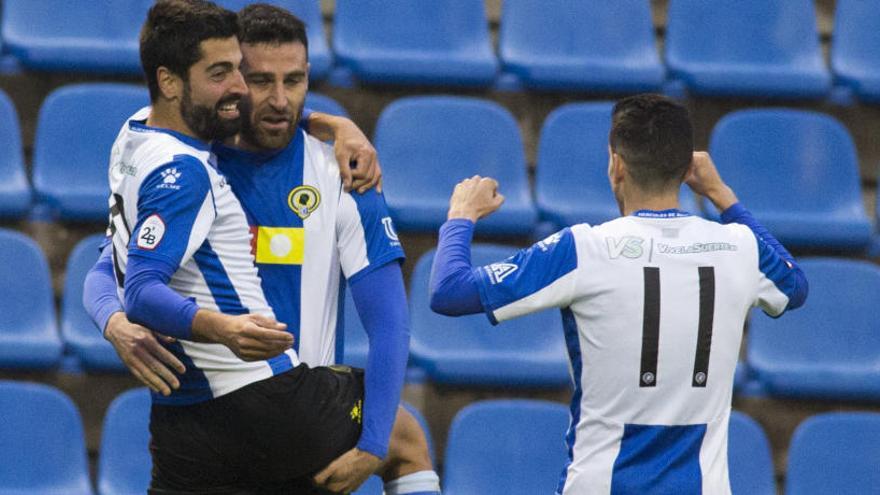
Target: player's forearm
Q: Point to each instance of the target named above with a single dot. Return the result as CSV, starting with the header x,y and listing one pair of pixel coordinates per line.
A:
x,y
100,297
151,303
322,125
386,322
453,288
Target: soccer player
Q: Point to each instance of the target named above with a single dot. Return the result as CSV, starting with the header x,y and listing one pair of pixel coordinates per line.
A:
x,y
247,417
653,306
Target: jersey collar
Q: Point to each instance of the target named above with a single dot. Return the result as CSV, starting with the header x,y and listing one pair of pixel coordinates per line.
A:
x,y
141,125
670,213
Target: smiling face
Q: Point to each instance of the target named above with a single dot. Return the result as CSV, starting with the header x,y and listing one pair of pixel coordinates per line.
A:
x,y
213,90
277,76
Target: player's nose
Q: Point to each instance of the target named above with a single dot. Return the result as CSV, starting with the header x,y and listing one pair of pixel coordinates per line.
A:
x,y
237,84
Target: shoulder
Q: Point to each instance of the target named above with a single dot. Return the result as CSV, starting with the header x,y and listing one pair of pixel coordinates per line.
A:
x,y
320,156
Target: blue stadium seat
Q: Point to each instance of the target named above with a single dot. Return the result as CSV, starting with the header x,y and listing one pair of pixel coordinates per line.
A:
x,y
855,60
324,104
28,332
42,447
798,172
829,348
125,463
430,143
76,127
467,350
750,48
571,178
442,42
15,192
514,447
749,458
60,35
835,453
588,45
309,11
78,330
355,346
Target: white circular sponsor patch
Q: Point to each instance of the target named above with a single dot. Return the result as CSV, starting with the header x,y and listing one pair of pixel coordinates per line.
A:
x,y
280,245
151,233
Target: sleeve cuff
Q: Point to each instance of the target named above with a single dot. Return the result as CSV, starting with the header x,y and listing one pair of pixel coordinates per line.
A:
x,y
374,448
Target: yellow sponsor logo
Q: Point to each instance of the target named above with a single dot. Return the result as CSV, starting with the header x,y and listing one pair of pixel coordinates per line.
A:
x,y
280,245
303,200
357,412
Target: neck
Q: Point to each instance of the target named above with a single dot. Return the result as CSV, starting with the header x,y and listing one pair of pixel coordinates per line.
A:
x,y
166,115
656,202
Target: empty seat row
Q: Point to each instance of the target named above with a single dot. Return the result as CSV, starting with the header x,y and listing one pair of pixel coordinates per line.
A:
x,y
713,47
797,170
826,350
488,450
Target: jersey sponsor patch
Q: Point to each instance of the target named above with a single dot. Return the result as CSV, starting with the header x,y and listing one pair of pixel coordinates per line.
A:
x,y
303,200
279,245
499,271
151,233
170,176
390,233
545,244
626,246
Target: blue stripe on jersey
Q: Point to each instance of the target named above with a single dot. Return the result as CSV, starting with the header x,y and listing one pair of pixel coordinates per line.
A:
x,y
280,364
218,281
194,385
339,354
528,271
774,267
573,343
659,459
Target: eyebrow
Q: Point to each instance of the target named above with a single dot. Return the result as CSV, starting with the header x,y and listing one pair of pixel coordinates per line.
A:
x,y
224,65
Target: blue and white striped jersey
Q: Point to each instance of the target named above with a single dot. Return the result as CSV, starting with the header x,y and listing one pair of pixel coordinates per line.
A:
x,y
308,234
170,204
653,311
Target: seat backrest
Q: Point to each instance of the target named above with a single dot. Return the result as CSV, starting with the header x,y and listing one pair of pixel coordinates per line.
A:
x,y
515,447
355,345
508,355
835,453
621,31
811,153
748,457
76,128
42,446
124,464
836,329
324,104
59,34
856,38
391,25
430,143
571,177
15,192
26,302
747,31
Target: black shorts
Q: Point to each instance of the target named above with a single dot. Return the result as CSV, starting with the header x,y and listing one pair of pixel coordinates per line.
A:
x,y
268,437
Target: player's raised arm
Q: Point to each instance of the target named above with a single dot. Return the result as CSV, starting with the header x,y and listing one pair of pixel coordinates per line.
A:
x,y
358,163
776,263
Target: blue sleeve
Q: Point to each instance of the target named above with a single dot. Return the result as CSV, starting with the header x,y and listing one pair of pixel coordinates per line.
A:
x,y
453,285
170,202
380,299
380,236
775,261
99,290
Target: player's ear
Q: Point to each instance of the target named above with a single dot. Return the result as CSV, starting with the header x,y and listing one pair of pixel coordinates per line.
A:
x,y
170,84
616,168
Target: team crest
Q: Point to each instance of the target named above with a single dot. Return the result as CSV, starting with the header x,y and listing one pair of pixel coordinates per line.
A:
x,y
303,200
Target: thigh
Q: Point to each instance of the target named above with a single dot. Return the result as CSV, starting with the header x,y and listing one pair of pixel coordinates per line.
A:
x,y
190,447
310,416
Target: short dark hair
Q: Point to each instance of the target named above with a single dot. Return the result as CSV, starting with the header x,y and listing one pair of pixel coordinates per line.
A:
x,y
173,31
264,23
654,136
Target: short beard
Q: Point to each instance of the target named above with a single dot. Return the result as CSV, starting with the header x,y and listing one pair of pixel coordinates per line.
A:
x,y
256,137
205,122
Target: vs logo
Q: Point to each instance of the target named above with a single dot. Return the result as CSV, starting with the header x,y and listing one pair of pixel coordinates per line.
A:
x,y
626,246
